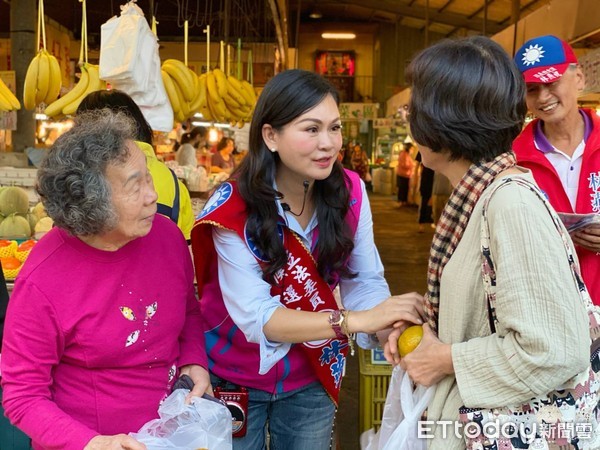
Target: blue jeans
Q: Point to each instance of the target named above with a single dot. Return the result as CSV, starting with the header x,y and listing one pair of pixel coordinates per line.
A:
x,y
297,420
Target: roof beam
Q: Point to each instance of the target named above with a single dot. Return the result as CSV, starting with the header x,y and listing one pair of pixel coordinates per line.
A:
x,y
419,12
506,21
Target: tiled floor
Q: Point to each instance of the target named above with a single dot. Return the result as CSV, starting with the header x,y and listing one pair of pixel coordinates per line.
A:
x,y
404,252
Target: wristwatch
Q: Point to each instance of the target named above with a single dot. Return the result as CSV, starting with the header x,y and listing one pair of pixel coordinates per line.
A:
x,y
336,318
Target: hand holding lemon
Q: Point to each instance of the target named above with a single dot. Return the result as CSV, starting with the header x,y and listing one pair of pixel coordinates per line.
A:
x,y
409,340
431,363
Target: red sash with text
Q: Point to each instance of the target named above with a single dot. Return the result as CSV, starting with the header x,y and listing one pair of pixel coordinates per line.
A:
x,y
300,286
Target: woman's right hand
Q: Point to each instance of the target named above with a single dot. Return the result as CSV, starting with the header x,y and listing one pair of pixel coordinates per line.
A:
x,y
399,311
116,442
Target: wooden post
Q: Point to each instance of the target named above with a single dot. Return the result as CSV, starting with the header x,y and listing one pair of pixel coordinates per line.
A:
x,y
22,50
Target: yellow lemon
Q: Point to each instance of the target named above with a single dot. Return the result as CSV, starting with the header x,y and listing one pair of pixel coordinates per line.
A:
x,y
409,339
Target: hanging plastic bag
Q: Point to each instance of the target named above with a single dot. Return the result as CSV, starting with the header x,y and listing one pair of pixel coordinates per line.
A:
x,y
129,61
401,414
204,424
123,39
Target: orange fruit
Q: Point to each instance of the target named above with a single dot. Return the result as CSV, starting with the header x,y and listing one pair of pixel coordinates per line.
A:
x,y
10,263
27,245
409,339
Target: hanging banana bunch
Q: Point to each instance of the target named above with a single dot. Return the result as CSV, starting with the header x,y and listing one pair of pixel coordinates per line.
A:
x,y
217,95
182,84
229,99
43,78
89,80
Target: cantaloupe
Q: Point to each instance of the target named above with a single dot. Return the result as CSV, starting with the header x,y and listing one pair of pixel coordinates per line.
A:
x,y
15,226
14,199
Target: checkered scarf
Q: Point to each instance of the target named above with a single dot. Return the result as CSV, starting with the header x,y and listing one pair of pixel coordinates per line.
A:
x,y
453,222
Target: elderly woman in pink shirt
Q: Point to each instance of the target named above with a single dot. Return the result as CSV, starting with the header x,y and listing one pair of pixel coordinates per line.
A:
x,y
97,330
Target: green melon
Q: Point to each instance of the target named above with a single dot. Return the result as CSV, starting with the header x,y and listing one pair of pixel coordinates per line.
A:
x,y
32,219
15,226
44,225
14,199
39,210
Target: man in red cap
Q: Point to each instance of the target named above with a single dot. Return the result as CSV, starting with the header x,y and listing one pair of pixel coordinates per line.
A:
x,y
562,146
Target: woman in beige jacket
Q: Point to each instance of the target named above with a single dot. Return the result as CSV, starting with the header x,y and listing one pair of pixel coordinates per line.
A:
x,y
467,106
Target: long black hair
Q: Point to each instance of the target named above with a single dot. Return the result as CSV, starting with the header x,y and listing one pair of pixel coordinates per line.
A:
x,y
285,97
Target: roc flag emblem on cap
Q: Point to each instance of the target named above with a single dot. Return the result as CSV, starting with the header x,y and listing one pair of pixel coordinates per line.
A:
x,y
544,59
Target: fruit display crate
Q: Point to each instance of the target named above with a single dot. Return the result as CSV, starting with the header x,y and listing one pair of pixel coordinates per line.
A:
x,y
373,386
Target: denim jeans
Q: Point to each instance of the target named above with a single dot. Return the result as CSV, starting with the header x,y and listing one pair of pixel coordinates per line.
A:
x,y
297,420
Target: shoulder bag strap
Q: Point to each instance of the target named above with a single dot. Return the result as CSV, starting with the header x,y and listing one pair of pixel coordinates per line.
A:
x,y
488,270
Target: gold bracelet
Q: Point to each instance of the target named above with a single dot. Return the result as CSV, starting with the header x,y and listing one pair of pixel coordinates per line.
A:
x,y
346,331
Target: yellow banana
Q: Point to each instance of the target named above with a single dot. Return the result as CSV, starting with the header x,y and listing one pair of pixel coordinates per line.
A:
x,y
4,103
204,108
219,110
94,84
200,94
237,84
55,108
249,89
8,95
171,93
43,77
212,113
234,88
180,74
238,113
211,87
240,124
206,113
181,66
55,80
183,104
230,101
30,85
221,82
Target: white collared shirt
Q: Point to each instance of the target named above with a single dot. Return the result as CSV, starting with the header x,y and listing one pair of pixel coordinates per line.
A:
x,y
568,169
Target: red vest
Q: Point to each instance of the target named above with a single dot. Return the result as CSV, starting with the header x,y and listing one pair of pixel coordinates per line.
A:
x,y
588,192
298,284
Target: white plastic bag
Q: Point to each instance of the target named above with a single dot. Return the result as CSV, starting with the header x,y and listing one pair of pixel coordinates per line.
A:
x,y
401,413
124,43
129,61
203,424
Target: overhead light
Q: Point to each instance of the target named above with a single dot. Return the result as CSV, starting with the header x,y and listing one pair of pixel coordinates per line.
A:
x,y
338,36
210,124
315,14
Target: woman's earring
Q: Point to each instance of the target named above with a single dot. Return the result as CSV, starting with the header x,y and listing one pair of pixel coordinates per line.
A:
x,y
273,150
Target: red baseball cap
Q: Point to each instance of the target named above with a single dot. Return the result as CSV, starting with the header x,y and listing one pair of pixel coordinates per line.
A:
x,y
544,59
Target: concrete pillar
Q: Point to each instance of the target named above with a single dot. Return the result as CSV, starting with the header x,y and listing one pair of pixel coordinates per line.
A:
x,y
23,26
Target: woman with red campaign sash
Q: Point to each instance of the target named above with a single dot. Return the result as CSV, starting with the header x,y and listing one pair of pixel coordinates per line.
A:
x,y
270,246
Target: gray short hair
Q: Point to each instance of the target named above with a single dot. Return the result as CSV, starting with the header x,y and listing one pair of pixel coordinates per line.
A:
x,y
72,178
